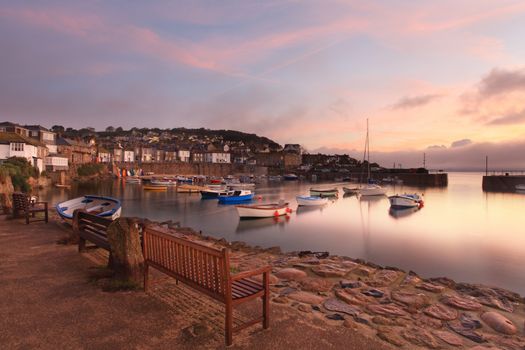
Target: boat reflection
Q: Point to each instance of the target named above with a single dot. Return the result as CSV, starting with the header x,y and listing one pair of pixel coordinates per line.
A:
x,y
400,213
247,225
301,210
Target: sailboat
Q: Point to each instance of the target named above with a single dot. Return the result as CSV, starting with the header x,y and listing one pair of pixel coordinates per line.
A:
x,y
370,189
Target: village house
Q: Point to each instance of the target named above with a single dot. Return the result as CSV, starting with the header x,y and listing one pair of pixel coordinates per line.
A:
x,y
128,156
183,155
292,148
14,128
76,152
217,157
15,145
104,156
118,154
43,135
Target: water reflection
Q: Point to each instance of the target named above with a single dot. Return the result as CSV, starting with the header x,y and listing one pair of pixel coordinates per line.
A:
x,y
462,232
402,212
248,225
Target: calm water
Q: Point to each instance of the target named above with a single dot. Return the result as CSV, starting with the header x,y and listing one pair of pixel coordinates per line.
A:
x,y
462,232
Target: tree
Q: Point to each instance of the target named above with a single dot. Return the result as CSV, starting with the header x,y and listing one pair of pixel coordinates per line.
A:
x,y
58,129
110,129
119,129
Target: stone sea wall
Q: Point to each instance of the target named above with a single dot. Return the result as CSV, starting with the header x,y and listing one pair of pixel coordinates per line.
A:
x,y
502,183
208,169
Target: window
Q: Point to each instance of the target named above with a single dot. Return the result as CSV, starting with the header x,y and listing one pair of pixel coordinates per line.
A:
x,y
17,147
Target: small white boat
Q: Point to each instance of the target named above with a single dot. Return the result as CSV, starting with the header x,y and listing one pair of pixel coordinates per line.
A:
x,y
214,193
406,201
262,210
106,207
241,186
372,190
163,183
324,192
132,180
310,201
520,187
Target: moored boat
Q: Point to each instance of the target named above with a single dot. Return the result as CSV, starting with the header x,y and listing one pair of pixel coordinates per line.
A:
x,y
163,182
106,207
350,190
406,201
132,180
262,210
310,201
290,177
520,187
236,197
155,188
372,190
190,189
324,192
211,193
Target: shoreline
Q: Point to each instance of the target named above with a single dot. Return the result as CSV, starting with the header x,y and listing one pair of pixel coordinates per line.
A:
x,y
387,303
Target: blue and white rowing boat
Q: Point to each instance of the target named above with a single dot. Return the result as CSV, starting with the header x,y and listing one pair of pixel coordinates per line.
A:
x,y
105,207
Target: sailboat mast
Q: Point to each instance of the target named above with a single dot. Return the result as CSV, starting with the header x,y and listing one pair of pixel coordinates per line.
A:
x,y
368,150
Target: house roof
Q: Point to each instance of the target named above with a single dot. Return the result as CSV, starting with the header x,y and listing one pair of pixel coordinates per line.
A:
x,y
68,142
36,127
11,137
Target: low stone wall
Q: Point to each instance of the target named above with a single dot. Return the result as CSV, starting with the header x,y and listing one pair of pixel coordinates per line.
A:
x,y
208,169
502,183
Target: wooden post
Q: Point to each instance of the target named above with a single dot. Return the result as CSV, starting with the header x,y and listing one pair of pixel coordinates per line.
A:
x,y
266,300
73,235
228,327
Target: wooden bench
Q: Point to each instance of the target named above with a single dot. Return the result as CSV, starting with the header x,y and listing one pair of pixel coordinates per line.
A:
x,y
206,270
91,228
22,204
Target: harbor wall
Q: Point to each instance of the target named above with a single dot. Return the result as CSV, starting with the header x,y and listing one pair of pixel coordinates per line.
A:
x,y
502,183
419,180
208,169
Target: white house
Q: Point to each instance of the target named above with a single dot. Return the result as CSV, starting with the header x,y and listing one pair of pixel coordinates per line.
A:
x,y
183,155
54,163
15,145
217,157
129,156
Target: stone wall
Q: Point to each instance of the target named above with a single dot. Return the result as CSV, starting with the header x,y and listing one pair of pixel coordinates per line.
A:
x,y
502,183
208,169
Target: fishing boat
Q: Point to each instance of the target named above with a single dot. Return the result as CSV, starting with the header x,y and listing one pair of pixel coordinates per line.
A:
x,y
520,187
371,189
132,180
406,200
290,177
238,196
212,193
311,201
106,207
324,192
262,210
155,188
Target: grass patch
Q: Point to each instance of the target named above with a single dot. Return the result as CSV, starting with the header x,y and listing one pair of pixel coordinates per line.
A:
x,y
90,169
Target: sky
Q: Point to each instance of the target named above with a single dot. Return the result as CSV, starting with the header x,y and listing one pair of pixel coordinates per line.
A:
x,y
445,78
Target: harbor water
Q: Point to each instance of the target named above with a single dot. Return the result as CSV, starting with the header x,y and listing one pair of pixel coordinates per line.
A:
x,y
461,232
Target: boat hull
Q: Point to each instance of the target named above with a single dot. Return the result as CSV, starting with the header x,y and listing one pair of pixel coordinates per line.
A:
x,y
235,199
402,202
213,194
372,191
104,207
309,201
155,188
324,193
261,211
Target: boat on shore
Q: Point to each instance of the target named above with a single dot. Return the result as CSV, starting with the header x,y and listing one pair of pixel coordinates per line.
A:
x,y
104,207
324,192
238,196
262,210
311,201
406,201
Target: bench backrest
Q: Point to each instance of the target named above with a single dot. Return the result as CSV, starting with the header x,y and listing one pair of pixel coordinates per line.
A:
x,y
204,268
21,201
94,228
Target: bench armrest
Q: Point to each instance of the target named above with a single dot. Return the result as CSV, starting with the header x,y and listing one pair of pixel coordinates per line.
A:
x,y
246,274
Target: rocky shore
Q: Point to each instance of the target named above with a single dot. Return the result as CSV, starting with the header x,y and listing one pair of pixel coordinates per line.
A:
x,y
400,308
